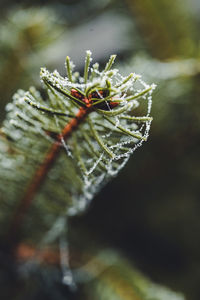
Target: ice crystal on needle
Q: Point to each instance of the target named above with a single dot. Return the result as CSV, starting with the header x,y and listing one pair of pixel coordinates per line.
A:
x,y
95,122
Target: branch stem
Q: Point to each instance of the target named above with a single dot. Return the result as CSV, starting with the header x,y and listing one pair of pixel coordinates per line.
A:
x,y
42,171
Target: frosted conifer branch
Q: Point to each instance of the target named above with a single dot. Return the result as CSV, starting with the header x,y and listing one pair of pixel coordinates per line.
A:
x,y
91,121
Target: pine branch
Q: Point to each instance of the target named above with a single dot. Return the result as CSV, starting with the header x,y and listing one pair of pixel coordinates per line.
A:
x,y
56,153
25,35
107,275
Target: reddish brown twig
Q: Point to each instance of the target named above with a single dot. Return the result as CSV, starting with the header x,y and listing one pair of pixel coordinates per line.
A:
x,y
41,173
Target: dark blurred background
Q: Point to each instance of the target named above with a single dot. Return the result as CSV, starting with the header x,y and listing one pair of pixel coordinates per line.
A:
x,y
151,211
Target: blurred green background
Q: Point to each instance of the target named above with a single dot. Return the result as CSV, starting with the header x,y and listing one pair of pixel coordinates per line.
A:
x,y
151,212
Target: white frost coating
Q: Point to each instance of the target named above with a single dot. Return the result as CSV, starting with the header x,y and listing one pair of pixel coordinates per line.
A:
x,y
117,146
64,262
94,165
66,147
88,52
